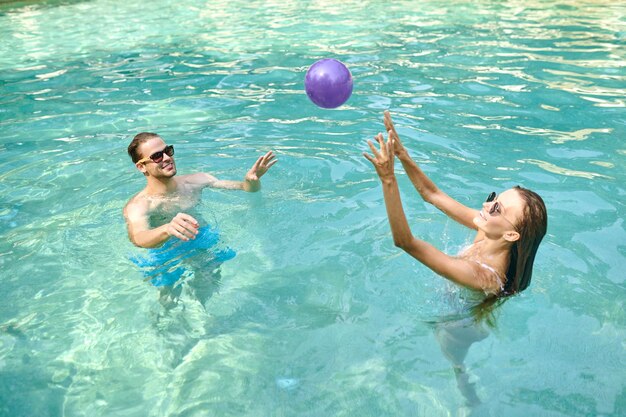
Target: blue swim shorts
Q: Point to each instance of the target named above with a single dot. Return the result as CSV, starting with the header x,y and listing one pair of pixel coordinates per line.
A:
x,y
163,266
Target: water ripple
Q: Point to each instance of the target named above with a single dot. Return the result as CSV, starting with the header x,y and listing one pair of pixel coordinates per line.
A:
x,y
318,307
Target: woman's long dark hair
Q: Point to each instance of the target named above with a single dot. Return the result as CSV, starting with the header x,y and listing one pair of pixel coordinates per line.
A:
x,y
532,228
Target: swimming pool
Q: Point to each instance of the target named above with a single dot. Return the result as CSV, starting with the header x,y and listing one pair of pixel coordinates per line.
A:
x,y
318,314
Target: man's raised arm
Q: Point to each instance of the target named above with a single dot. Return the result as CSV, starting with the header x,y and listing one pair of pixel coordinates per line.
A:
x,y
250,183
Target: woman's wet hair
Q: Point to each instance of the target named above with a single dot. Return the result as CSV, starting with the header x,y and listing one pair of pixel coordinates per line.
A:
x,y
532,228
138,140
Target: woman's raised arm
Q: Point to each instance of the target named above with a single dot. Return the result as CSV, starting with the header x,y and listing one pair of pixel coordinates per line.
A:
x,y
425,187
455,269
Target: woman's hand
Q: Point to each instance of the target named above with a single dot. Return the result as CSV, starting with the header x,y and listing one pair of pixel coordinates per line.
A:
x,y
399,149
383,159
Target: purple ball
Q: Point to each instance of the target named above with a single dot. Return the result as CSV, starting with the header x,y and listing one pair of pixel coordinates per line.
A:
x,y
328,83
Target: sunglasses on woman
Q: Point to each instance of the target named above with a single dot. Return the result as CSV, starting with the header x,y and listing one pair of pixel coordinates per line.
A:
x,y
158,156
495,207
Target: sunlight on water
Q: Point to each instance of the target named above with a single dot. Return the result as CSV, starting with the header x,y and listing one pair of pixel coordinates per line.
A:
x,y
318,313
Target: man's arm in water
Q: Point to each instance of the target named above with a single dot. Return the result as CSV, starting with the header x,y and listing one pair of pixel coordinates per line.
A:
x,y
182,226
250,183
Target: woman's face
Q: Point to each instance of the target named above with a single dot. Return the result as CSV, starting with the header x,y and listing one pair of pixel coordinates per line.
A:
x,y
501,215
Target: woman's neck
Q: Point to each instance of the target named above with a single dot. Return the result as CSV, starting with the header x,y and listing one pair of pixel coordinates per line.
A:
x,y
494,253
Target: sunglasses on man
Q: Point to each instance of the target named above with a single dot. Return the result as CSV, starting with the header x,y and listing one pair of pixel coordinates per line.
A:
x,y
158,156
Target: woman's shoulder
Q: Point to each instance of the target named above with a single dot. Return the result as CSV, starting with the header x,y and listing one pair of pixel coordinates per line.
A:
x,y
488,277
468,249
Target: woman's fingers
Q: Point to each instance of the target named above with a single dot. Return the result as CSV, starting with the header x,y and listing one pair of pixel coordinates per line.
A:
x,y
381,155
383,146
374,150
390,126
369,158
390,144
388,122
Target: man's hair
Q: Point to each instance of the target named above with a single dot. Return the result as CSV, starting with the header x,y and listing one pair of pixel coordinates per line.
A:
x,y
138,140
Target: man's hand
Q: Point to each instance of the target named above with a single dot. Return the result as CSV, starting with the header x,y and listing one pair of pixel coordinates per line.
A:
x,y
261,166
183,226
252,181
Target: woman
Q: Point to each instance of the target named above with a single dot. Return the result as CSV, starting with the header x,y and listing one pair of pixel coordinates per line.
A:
x,y
499,262
510,226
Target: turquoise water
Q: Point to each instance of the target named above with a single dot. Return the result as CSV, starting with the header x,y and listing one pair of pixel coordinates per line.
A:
x,y
318,314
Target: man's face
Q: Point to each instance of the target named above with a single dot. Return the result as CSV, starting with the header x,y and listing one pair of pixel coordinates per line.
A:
x,y
164,168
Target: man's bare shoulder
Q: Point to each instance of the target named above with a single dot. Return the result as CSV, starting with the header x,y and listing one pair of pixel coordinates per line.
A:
x,y
199,179
137,205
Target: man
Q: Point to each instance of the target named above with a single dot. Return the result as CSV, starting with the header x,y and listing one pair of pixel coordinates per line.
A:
x,y
158,212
